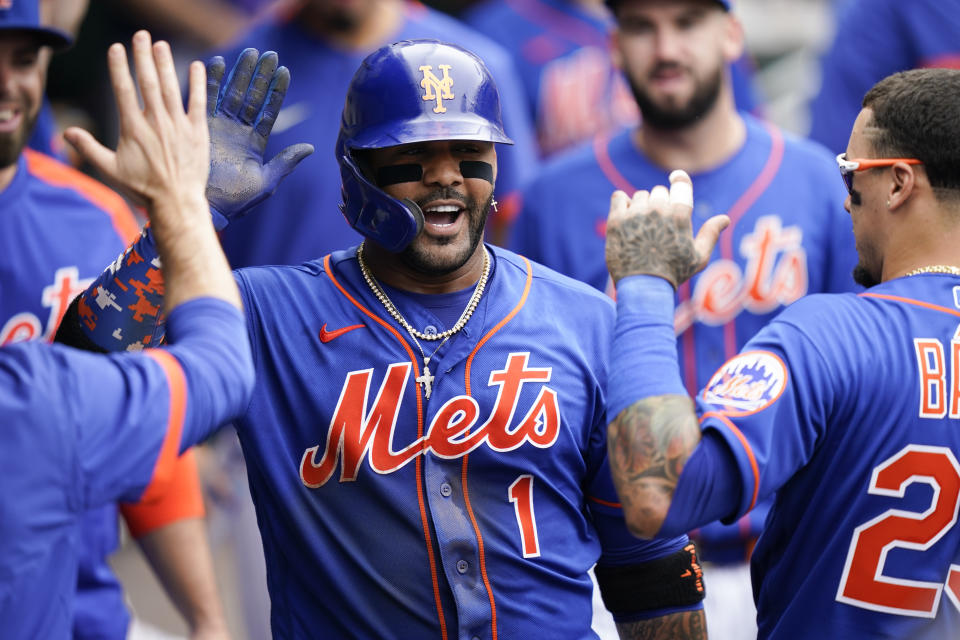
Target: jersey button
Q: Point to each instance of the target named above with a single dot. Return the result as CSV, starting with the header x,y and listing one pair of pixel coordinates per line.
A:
x,y
446,489
462,566
430,330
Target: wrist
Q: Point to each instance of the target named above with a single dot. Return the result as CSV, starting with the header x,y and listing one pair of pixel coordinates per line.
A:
x,y
643,357
650,295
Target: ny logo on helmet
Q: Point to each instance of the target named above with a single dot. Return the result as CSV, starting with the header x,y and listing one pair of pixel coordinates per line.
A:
x,y
432,83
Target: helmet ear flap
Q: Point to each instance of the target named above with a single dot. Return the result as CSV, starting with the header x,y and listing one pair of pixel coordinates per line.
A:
x,y
391,223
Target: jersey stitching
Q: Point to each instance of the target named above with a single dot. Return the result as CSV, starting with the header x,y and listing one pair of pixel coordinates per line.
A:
x,y
425,524
463,474
910,301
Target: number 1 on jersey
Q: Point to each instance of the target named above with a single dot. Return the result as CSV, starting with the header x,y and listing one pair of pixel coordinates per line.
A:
x,y
521,495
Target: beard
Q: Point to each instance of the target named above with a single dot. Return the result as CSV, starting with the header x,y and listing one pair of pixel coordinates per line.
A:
x,y
421,258
671,117
863,276
12,144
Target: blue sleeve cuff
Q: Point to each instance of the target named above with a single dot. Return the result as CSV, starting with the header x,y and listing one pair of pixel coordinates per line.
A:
x,y
643,360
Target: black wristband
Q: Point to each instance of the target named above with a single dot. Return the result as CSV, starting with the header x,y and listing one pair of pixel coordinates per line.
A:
x,y
672,581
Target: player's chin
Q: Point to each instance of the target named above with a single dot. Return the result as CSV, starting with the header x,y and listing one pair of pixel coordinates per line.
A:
x,y
441,255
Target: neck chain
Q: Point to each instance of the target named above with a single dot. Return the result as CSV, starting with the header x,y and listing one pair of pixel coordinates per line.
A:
x,y
935,268
425,380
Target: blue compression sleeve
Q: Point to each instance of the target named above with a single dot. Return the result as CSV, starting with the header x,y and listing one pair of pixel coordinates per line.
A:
x,y
707,489
208,336
643,360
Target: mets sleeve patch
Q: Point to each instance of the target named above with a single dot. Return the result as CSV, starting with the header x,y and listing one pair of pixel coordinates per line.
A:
x,y
747,383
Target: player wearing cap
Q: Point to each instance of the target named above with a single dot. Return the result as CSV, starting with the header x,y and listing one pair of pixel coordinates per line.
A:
x,y
426,444
57,229
80,429
846,406
789,235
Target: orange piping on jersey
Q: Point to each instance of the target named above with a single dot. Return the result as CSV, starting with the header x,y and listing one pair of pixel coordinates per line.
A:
x,y
170,449
746,446
740,207
616,178
463,474
180,499
53,172
916,303
606,503
424,522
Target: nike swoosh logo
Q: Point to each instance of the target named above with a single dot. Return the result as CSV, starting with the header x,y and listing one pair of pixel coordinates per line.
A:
x,y
291,116
327,336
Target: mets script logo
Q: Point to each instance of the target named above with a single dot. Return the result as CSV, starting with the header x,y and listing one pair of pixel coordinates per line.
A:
x,y
748,382
358,430
437,88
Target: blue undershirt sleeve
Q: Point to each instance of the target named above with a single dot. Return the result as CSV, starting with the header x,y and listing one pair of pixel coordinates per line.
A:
x,y
208,336
708,488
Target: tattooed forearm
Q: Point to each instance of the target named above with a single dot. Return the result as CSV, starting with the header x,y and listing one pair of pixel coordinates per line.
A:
x,y
690,625
649,442
654,245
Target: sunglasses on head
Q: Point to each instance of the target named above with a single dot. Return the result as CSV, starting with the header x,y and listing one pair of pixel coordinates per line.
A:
x,y
850,167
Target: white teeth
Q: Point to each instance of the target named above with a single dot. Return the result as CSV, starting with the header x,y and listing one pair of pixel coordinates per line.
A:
x,y
6,114
443,208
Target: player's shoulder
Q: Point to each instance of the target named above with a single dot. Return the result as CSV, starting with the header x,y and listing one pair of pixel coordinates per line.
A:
x,y
59,185
579,160
796,149
59,176
833,321
279,282
552,285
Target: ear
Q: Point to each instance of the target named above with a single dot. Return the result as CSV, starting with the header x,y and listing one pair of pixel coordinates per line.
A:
x,y
733,39
613,43
903,183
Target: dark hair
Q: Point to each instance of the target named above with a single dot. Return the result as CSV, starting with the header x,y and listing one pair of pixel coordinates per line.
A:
x,y
916,114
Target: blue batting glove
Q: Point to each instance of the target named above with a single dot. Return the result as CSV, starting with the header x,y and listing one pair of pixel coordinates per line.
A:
x,y
240,116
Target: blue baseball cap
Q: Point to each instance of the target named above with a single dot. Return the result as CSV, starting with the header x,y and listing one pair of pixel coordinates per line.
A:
x,y
24,16
726,4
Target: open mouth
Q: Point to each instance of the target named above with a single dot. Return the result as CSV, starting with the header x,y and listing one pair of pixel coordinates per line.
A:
x,y
442,216
9,119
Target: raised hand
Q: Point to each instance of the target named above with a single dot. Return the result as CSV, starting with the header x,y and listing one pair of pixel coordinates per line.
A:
x,y
161,154
240,115
652,234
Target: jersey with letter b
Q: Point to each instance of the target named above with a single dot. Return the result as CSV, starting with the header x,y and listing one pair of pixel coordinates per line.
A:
x,y
848,407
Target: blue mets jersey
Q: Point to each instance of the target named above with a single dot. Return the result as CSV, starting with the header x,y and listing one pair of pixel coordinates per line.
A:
x,y
848,407
561,49
80,430
301,221
474,514
58,228
876,38
789,235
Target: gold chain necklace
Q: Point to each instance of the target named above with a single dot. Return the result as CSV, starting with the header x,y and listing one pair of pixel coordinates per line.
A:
x,y
935,268
425,380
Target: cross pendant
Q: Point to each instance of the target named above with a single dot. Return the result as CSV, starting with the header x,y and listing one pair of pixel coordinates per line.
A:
x,y
426,379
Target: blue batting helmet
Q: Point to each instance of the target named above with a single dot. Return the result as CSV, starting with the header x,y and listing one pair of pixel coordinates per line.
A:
x,y
410,91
